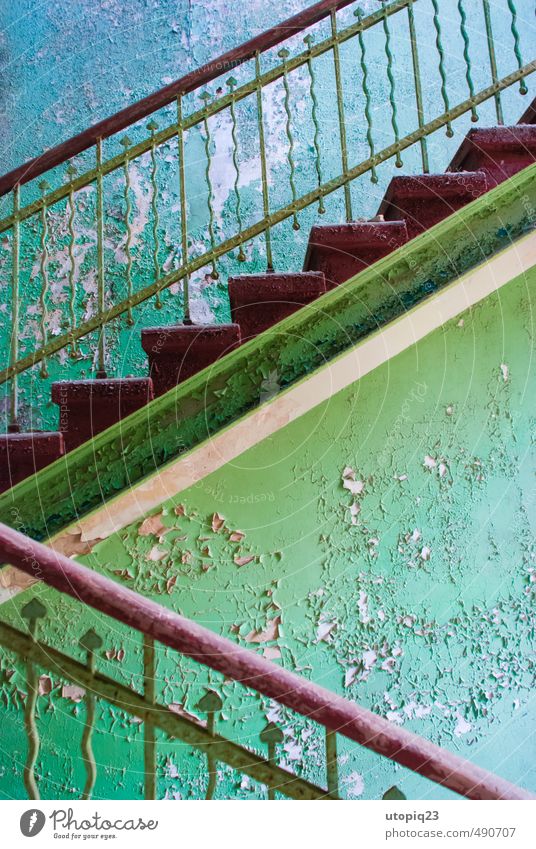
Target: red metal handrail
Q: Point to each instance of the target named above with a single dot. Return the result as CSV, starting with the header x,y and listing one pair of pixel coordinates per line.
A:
x,y
145,107
334,712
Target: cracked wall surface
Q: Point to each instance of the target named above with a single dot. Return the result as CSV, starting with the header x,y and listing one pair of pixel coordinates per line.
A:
x,y
382,545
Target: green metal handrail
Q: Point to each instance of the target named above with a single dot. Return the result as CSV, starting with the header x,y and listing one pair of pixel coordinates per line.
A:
x,y
39,212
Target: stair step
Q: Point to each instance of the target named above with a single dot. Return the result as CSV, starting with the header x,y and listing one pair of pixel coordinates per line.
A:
x,y
260,300
340,251
23,454
499,151
176,353
424,200
89,406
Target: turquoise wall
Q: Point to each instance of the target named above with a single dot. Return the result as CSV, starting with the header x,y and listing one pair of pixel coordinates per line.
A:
x,y
67,65
417,603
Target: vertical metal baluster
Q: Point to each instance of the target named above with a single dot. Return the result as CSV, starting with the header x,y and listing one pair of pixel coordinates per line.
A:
x,y
211,704
492,60
186,319
231,82
264,167
149,733
14,426
152,126
308,40
205,97
364,77
340,108
392,86
511,5
101,353
332,769
418,87
90,642
467,57
271,735
128,242
43,185
442,73
71,173
283,54
32,611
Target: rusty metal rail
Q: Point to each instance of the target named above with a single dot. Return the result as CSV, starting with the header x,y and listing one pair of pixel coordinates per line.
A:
x,y
337,714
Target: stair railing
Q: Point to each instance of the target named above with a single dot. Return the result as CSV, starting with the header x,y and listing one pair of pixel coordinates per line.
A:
x,y
81,217
157,624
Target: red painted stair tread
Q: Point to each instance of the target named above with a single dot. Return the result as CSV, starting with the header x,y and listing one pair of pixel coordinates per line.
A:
x,y
177,353
23,454
260,300
340,251
424,200
88,407
499,151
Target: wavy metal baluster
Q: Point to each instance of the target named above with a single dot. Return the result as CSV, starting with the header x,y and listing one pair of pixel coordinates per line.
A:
x,y
90,642
71,173
149,734
43,185
392,86
152,126
492,60
308,40
186,319
283,54
363,62
32,611
332,768
271,735
205,97
340,110
126,142
231,82
101,350
14,426
264,167
517,50
211,704
467,57
418,87
442,73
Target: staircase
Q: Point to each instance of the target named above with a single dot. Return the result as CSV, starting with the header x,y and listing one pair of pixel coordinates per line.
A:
x,y
335,252
412,204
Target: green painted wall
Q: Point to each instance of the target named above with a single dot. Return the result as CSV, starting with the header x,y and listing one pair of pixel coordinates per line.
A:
x,y
418,603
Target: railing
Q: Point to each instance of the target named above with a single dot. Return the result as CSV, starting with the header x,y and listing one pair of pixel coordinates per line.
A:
x,y
336,715
76,258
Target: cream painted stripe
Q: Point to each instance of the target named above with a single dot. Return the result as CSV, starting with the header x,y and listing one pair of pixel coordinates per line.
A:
x,y
312,390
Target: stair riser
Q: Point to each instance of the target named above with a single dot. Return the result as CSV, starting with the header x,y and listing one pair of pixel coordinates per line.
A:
x,y
498,166
260,300
175,354
88,407
422,213
22,455
339,266
86,420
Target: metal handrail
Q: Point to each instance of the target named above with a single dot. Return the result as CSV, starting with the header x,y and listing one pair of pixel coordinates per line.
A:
x,y
37,166
337,714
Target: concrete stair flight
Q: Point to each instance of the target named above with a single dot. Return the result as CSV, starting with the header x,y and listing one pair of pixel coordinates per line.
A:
x,y
412,204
